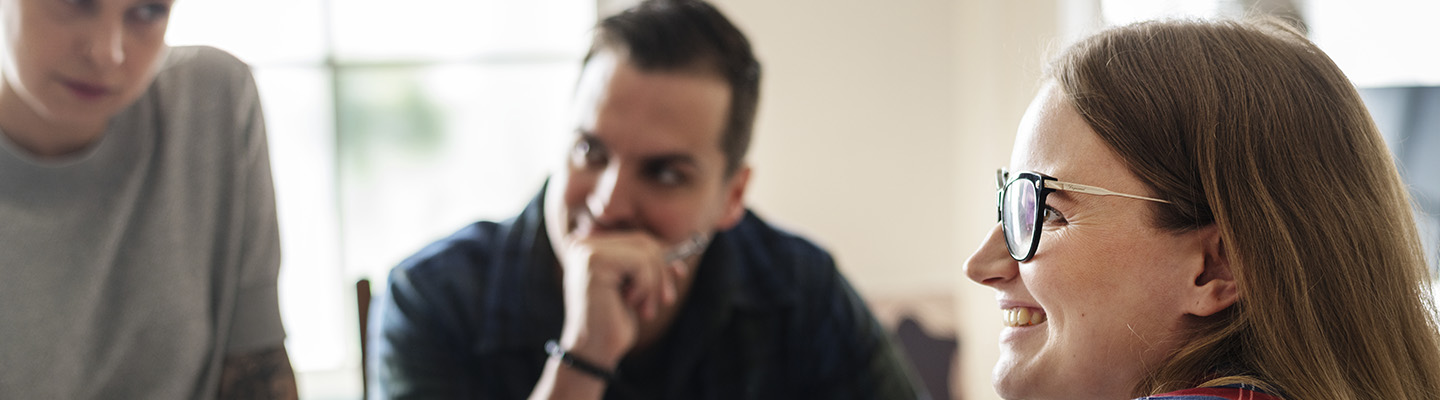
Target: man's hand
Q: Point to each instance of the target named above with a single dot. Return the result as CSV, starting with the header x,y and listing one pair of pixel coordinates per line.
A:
x,y
614,283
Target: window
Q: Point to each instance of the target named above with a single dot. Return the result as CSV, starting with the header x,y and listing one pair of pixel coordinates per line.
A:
x,y
1409,116
1381,45
391,124
1120,12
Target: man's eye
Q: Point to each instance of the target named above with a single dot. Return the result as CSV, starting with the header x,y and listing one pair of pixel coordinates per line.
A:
x,y
668,176
587,154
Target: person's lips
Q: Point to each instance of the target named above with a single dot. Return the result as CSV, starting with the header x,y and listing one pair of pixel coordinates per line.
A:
x,y
1023,316
87,90
1021,319
1019,314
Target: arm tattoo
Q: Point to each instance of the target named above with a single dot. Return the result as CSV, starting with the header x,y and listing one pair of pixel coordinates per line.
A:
x,y
263,374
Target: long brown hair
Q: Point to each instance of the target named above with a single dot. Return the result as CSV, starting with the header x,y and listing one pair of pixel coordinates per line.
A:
x,y
1249,126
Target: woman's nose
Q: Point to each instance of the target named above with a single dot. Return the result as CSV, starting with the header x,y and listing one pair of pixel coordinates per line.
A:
x,y
105,45
991,264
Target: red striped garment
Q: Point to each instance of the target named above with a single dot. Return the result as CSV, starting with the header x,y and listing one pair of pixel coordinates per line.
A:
x,y
1227,392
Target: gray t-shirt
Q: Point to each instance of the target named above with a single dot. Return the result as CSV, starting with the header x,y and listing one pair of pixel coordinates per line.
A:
x,y
130,270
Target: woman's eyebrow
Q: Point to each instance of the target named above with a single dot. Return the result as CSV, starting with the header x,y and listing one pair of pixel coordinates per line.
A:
x,y
1063,197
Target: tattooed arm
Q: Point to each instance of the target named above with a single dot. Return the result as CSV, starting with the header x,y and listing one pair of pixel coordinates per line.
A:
x,y
263,374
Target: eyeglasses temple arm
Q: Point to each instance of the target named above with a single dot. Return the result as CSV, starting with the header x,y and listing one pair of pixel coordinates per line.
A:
x,y
1087,189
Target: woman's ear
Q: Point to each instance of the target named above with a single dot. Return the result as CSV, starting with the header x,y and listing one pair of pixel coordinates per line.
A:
x,y
1215,288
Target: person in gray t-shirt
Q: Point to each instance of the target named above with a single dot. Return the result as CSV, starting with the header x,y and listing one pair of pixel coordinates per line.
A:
x,y
138,240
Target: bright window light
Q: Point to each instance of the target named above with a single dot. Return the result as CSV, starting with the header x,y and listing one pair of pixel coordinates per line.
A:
x,y
391,124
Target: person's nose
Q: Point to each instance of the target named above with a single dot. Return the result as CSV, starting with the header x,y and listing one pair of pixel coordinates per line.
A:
x,y
105,44
612,202
991,264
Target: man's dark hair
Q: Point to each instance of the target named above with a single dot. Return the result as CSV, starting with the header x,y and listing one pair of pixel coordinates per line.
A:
x,y
673,35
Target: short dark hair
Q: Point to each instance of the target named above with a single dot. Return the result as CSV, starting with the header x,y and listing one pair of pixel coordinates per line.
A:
x,y
670,35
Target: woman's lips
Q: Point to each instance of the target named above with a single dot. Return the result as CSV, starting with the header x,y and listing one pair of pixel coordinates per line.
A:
x,y
1017,317
87,91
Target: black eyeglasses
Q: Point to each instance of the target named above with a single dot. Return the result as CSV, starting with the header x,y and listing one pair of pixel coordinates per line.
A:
x,y
1021,203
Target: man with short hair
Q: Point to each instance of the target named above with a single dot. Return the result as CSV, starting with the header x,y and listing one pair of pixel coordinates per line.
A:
x,y
637,272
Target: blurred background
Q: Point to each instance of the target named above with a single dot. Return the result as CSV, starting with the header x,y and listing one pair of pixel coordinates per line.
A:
x,y
393,124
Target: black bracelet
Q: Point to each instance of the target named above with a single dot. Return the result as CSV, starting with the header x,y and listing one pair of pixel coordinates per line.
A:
x,y
553,349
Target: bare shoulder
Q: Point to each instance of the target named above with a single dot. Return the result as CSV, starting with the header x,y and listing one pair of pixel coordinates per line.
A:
x,y
263,374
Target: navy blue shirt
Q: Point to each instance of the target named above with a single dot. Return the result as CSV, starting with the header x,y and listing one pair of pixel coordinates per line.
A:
x,y
768,317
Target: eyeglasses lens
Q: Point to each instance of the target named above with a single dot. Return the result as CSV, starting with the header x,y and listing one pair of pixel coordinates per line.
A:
x,y
1017,214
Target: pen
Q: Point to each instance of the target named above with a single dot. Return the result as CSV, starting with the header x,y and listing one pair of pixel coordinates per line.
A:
x,y
692,246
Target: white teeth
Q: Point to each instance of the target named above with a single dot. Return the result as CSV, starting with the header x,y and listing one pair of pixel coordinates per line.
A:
x,y
1022,316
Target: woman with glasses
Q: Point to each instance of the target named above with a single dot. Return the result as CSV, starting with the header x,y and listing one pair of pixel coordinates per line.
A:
x,y
1203,210
138,239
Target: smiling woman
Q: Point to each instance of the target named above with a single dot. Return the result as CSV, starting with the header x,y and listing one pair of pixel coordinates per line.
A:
x,y
1279,260
140,239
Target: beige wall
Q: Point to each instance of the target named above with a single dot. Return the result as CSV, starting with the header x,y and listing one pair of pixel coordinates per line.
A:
x,y
1007,42
881,123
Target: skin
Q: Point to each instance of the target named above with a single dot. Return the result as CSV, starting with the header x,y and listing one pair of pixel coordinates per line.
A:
x,y
1117,292
263,374
645,173
72,65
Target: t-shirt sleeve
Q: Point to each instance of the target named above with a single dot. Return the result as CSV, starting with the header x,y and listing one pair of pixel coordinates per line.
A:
x,y
256,323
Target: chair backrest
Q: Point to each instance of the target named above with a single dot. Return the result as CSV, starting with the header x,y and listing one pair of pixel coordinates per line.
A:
x,y
362,301
924,325
932,356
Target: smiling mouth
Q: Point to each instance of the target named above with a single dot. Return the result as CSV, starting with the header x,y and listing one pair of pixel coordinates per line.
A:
x,y
1023,316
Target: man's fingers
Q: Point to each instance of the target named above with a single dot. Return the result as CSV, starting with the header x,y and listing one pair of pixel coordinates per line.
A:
x,y
678,270
633,264
634,294
652,309
668,294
